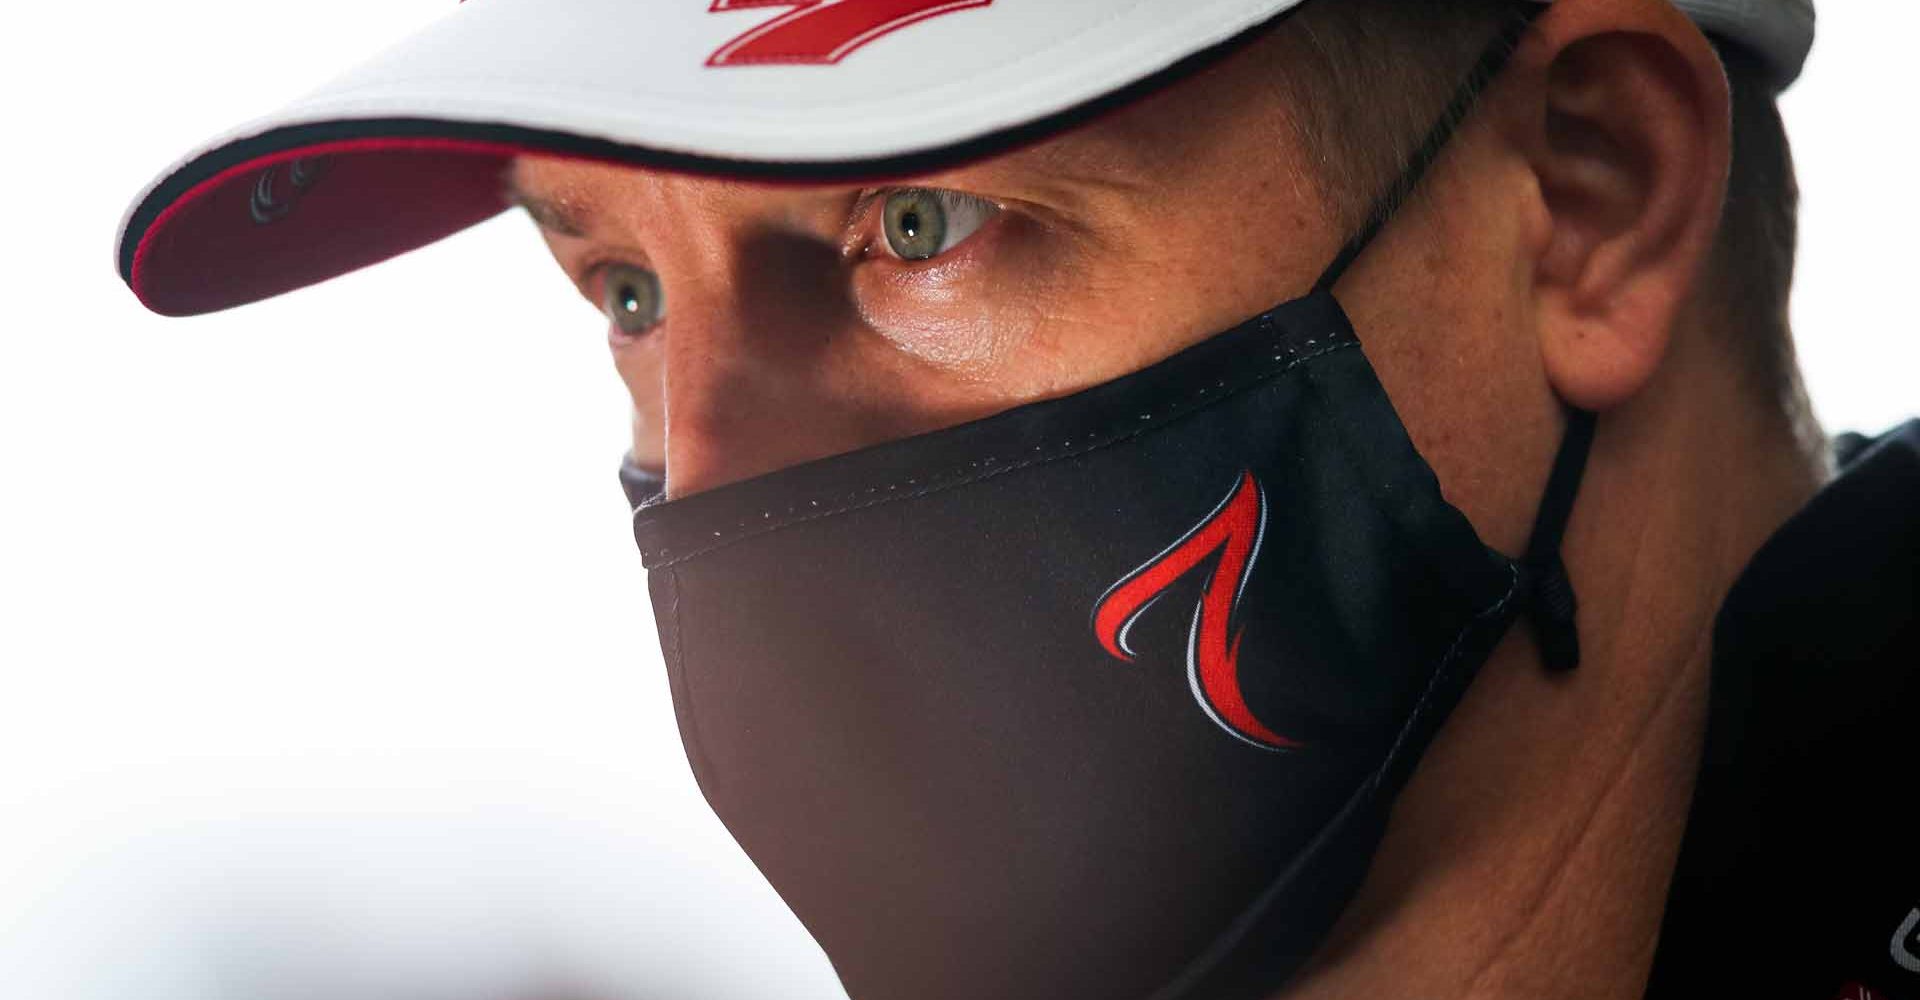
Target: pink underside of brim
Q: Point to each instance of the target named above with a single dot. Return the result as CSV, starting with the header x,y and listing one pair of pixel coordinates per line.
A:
x,y
375,198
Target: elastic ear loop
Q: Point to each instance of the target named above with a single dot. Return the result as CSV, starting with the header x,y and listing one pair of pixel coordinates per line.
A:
x,y
1549,598
1492,61
1551,604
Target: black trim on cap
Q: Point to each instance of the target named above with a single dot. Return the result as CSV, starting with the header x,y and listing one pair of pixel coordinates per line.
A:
x,y
292,137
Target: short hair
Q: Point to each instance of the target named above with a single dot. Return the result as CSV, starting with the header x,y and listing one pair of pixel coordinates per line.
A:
x,y
1369,78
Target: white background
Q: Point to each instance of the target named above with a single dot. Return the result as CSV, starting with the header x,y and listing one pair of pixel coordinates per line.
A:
x,y
326,667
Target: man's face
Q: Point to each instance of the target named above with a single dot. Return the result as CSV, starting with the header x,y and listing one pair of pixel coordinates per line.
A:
x,y
793,328
1544,263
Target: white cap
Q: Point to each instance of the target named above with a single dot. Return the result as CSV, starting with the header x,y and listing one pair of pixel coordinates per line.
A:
x,y
408,147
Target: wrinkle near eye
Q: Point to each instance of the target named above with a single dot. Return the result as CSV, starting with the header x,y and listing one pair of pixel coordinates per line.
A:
x,y
964,312
955,343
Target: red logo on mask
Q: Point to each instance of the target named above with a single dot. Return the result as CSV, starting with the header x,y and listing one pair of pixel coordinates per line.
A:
x,y
822,32
1233,530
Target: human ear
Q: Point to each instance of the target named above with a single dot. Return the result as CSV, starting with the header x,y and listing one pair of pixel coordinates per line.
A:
x,y
1630,140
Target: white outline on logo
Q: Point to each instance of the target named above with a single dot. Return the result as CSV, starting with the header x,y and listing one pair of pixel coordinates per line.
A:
x,y
1902,956
1121,639
1233,614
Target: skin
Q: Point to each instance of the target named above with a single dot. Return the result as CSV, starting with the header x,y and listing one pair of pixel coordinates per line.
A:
x,y
1554,254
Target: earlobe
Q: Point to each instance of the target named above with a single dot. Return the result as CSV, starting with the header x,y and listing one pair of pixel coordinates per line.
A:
x,y
1630,145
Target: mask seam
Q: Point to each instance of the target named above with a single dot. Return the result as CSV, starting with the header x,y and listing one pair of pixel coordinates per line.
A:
x,y
695,748
1453,653
1176,413
1181,986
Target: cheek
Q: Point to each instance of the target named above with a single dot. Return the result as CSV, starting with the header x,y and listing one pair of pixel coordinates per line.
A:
x,y
639,365
1447,320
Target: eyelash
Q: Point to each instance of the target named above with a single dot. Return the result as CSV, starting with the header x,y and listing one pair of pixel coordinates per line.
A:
x,y
592,271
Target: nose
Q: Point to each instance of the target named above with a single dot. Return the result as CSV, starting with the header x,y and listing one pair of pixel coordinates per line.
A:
x,y
758,365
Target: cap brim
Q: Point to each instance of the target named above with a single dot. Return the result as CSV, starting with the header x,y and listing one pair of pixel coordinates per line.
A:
x,y
409,147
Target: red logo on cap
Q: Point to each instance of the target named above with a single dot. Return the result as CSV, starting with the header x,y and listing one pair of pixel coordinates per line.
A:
x,y
822,32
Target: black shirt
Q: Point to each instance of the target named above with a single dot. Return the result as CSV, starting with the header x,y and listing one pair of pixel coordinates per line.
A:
x,y
1799,875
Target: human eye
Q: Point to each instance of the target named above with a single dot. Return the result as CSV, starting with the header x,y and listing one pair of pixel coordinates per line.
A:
x,y
629,295
920,224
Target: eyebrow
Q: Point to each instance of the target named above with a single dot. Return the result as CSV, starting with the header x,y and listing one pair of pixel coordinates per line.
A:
x,y
555,216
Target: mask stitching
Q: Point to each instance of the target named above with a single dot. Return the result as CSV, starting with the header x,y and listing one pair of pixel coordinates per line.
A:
x,y
1421,707
1182,985
845,504
678,664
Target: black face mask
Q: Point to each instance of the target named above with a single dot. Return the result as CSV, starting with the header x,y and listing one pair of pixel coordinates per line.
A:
x,y
1102,697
